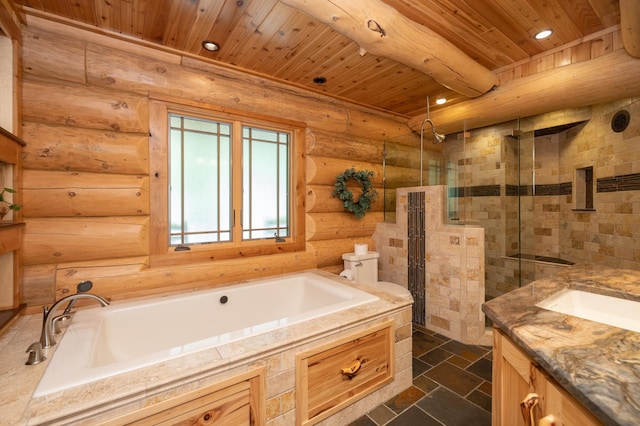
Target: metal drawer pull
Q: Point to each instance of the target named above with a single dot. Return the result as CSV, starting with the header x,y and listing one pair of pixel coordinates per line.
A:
x,y
527,406
352,370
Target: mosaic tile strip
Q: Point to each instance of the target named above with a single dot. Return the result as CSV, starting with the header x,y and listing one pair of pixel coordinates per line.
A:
x,y
475,191
630,182
416,254
564,188
619,183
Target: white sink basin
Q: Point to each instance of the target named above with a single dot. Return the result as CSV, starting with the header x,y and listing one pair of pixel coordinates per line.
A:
x,y
608,310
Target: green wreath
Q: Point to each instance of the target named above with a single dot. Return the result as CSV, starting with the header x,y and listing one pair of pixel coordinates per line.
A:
x,y
367,196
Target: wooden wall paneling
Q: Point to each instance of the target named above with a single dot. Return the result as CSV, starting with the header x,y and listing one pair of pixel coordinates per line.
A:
x,y
106,274
78,147
45,54
580,53
72,194
602,45
78,31
374,124
55,240
39,284
328,253
53,147
325,144
119,70
324,170
121,281
617,41
84,106
332,226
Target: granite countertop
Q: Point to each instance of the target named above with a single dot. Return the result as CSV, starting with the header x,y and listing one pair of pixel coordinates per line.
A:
x,y
598,364
20,381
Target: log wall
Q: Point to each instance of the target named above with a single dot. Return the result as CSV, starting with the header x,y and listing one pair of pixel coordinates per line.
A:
x,y
86,168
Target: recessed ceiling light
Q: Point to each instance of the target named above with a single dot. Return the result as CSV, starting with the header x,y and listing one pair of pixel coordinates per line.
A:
x,y
319,80
441,101
209,45
544,34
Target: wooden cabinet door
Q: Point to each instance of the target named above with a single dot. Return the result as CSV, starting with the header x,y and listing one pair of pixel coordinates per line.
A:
x,y
513,379
335,375
515,376
564,408
226,407
237,401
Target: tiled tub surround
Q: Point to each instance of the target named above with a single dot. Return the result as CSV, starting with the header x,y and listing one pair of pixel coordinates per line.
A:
x,y
596,363
275,351
454,267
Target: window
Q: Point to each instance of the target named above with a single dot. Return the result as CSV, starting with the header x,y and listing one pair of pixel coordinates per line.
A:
x,y
223,184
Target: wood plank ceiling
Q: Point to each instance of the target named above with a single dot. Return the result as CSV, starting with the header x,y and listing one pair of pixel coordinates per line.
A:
x,y
272,39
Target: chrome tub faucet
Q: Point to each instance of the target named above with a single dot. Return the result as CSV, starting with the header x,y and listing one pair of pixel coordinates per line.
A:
x,y
46,337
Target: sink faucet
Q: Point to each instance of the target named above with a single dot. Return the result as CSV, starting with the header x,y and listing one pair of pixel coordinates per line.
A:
x,y
46,337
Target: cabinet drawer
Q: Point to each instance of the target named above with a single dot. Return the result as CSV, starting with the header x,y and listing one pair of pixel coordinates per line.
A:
x,y
335,375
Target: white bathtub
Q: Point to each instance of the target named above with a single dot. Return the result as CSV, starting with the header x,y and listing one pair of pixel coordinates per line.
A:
x,y
124,336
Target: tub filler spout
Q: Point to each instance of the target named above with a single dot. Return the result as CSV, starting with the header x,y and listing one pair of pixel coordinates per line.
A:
x,y
46,337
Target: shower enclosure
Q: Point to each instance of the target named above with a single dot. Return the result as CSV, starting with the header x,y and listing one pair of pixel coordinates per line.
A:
x,y
547,195
488,175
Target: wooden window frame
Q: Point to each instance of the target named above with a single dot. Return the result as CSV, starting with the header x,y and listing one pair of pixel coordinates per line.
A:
x,y
161,253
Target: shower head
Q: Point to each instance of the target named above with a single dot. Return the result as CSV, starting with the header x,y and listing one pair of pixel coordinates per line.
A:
x,y
437,137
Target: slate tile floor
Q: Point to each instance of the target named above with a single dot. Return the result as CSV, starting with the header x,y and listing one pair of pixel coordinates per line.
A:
x,y
451,387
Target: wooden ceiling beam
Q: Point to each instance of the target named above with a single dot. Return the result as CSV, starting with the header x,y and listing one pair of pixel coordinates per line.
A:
x,y
380,29
630,26
576,85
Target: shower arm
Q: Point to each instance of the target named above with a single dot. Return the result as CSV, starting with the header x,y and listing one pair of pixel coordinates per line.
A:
x,y
437,138
422,138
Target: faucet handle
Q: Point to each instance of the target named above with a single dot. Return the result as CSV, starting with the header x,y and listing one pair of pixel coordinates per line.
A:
x,y
60,319
35,354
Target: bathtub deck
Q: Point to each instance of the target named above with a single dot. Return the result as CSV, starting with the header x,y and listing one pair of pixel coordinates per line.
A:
x,y
274,350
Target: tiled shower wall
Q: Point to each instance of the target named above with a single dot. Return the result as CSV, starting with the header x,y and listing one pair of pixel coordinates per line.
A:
x,y
454,266
486,166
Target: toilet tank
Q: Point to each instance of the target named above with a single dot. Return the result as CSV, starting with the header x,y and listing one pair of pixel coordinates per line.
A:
x,y
363,267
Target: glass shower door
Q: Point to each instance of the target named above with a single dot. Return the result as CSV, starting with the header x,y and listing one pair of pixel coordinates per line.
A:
x,y
526,200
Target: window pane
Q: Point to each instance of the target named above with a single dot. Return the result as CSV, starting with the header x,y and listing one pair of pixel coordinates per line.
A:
x,y
265,183
200,191
200,177
175,184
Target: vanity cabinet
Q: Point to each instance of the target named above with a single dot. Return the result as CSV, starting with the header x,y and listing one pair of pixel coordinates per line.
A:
x,y
332,376
234,402
525,395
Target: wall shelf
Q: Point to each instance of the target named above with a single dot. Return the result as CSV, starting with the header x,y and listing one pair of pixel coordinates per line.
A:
x,y
10,231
